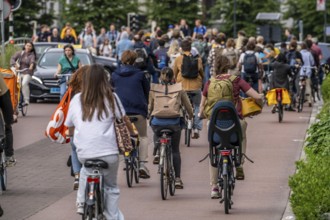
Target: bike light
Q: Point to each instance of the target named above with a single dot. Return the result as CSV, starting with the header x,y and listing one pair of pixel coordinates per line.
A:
x,y
164,141
225,152
224,110
93,180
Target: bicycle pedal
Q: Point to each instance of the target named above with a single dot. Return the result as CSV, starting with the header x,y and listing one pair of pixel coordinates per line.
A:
x,y
221,201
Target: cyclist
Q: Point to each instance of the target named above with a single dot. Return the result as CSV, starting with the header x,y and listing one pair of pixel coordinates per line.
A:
x,y
7,112
280,75
21,60
306,70
170,121
132,87
67,64
221,69
192,84
90,118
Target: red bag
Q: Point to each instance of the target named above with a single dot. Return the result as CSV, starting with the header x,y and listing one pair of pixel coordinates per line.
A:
x,y
55,130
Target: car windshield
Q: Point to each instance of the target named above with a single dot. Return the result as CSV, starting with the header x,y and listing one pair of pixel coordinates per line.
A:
x,y
51,59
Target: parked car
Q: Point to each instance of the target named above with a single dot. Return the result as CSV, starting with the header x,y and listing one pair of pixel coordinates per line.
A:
x,y
44,86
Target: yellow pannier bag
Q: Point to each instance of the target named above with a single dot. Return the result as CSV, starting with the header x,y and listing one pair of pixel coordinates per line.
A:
x,y
271,97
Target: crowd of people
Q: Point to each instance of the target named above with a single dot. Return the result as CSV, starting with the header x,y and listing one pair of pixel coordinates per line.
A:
x,y
187,62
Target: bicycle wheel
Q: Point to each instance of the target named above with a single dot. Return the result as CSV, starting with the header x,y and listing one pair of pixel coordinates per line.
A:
x,y
188,137
98,203
301,100
136,169
88,213
280,112
3,173
171,176
24,109
226,193
129,172
164,177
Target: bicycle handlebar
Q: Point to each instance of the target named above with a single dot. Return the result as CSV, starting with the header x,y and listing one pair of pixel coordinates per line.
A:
x,y
21,71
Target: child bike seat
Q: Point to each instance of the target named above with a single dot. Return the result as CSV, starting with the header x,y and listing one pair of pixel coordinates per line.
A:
x,y
224,130
95,163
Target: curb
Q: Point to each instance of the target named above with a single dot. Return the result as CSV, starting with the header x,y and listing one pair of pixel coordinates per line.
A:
x,y
288,213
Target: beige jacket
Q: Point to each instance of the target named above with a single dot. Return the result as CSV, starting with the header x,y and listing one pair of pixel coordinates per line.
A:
x,y
188,84
183,99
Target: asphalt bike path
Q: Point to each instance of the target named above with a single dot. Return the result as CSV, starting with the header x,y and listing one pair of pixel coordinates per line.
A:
x,y
39,186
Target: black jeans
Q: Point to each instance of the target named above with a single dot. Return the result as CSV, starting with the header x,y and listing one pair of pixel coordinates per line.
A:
x,y
175,140
9,150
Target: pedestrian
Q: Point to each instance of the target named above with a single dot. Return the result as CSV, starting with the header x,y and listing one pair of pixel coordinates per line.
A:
x,y
42,36
88,39
123,44
217,49
199,29
161,55
55,36
68,38
184,28
91,119
169,117
72,32
67,64
100,39
209,99
105,48
189,71
25,59
173,52
132,87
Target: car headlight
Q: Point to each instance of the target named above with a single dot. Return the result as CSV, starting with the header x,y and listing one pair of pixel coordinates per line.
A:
x,y
37,79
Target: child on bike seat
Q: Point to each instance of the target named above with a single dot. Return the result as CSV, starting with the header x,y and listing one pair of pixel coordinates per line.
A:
x,y
165,101
222,65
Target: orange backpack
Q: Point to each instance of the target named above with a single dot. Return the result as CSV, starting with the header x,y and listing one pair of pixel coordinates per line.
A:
x,y
11,82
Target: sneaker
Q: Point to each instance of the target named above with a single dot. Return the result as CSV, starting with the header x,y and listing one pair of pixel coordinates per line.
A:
x,y
195,134
156,159
274,109
178,183
215,194
144,172
10,161
80,208
240,173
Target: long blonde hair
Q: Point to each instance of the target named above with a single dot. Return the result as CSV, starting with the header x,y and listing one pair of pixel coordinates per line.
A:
x,y
96,93
174,48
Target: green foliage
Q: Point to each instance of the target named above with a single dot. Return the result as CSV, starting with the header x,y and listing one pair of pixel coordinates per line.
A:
x,y
10,50
101,13
28,12
246,12
171,11
306,11
310,185
325,89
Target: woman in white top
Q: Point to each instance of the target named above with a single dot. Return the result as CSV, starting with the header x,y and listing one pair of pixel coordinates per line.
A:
x,y
91,119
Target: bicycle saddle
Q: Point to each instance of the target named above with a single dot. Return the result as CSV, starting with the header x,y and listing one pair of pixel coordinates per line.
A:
x,y
95,163
166,131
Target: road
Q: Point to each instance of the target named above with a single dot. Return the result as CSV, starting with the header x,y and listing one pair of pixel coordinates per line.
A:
x,y
39,186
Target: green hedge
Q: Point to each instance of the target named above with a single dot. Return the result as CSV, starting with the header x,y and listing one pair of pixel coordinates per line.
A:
x,y
311,184
325,89
9,52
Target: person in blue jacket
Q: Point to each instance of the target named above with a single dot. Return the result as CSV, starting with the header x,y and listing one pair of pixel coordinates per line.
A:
x,y
132,87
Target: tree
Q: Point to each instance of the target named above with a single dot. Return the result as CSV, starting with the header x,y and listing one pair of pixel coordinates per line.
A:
x,y
171,11
305,10
246,12
101,13
29,11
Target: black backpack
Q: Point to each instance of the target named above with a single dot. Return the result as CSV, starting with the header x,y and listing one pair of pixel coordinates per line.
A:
x,y
189,68
141,61
250,63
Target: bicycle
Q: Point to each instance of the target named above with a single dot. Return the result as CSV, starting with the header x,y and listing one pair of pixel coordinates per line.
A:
x,y
21,107
189,123
132,163
302,87
67,78
94,194
315,85
225,140
165,167
3,165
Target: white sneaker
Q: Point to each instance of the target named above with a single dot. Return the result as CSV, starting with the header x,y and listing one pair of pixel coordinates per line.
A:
x,y
80,208
144,172
215,194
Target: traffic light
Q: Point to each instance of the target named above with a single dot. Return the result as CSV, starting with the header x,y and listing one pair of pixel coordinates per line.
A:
x,y
133,22
15,4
